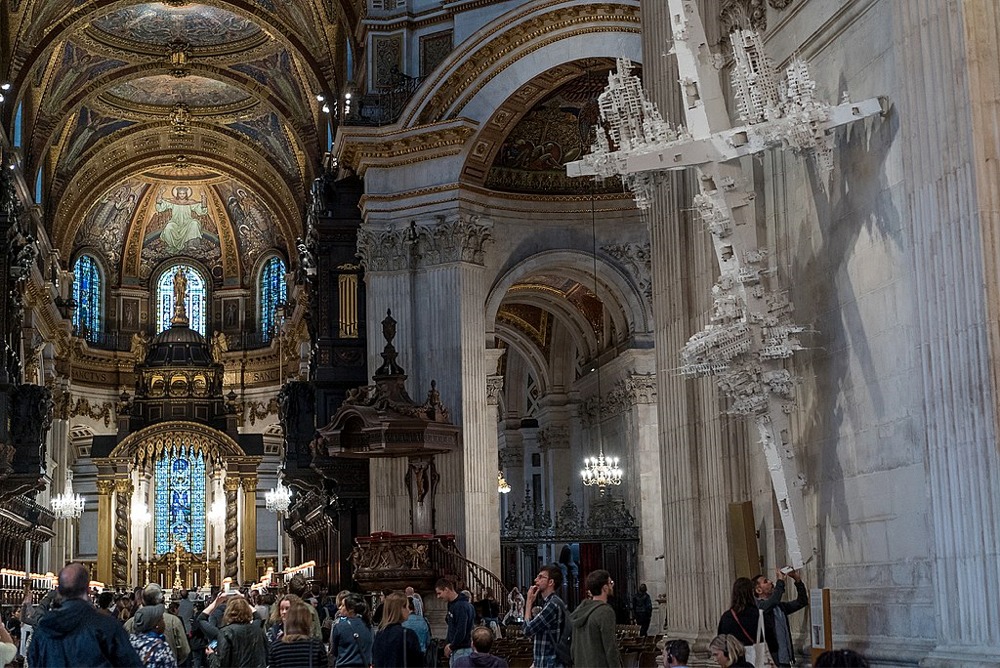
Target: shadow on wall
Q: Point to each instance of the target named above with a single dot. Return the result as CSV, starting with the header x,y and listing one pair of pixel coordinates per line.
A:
x,y
857,200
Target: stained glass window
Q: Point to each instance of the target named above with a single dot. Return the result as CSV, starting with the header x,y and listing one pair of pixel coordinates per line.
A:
x,y
87,288
18,124
272,290
180,501
195,302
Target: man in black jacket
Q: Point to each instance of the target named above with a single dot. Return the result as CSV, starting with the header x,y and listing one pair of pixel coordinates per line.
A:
x,y
76,634
461,618
776,630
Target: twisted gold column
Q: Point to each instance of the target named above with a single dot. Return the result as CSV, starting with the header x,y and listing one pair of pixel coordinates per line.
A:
x,y
231,485
123,528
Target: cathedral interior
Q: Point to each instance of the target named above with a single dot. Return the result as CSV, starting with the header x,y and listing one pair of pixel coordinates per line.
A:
x,y
316,284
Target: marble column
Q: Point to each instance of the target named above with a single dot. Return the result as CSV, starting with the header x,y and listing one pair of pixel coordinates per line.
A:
x,y
249,545
683,270
432,278
105,487
955,202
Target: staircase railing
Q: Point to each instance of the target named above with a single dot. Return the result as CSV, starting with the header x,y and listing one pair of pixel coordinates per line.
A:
x,y
446,560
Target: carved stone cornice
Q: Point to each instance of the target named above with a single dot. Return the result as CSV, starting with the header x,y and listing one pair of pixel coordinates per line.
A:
x,y
512,455
459,239
494,386
555,437
637,259
362,148
638,388
750,14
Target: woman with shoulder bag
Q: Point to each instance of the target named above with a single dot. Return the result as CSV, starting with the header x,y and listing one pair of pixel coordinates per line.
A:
x,y
297,648
395,645
350,635
740,620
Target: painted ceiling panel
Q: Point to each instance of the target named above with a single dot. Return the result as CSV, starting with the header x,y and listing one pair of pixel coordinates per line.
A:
x,y
89,127
160,24
166,90
268,131
73,69
278,72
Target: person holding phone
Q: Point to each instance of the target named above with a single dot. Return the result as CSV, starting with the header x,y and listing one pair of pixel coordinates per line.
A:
x,y
241,644
777,632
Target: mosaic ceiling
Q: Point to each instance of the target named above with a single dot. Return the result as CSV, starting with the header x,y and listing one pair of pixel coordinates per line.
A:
x,y
136,107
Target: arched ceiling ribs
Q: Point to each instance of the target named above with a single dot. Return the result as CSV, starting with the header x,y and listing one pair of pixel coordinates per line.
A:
x,y
528,349
576,324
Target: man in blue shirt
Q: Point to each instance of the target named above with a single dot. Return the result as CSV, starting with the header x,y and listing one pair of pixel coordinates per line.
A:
x,y
461,618
546,627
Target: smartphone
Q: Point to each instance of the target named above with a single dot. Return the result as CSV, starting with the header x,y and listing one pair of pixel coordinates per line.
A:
x,y
786,570
212,645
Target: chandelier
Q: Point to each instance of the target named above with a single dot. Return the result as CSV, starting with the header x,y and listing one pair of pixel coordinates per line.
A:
x,y
278,500
141,517
502,485
217,512
68,505
600,470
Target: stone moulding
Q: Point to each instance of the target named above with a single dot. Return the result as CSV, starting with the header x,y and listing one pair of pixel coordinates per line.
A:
x,y
459,239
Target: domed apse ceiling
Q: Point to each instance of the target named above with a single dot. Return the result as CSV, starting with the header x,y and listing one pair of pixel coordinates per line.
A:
x,y
557,130
143,221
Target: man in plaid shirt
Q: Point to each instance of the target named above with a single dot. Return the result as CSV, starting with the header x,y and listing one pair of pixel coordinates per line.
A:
x,y
546,627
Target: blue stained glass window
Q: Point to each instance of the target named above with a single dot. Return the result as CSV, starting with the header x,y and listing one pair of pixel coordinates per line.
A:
x,y
195,302
18,124
272,290
180,502
87,288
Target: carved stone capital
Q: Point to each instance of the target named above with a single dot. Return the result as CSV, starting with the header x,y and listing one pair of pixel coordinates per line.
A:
x,y
422,244
231,483
555,437
124,487
638,388
494,386
249,484
105,487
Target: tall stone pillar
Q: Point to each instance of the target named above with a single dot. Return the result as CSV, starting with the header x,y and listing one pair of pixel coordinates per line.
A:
x,y
232,541
105,487
431,276
553,441
123,529
955,204
250,527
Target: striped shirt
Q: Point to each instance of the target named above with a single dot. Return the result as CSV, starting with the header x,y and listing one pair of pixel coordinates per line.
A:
x,y
297,654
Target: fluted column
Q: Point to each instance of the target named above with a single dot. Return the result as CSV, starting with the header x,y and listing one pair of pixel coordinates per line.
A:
x,y
250,527
232,545
123,529
432,278
105,488
955,202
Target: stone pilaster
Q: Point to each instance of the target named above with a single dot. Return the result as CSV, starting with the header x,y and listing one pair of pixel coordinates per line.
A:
x,y
105,488
249,543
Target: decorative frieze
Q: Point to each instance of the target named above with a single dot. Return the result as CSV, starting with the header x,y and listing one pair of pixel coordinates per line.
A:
x,y
512,456
441,241
555,437
637,259
494,387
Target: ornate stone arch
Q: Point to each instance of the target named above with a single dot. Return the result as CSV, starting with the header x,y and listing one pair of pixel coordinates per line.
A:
x,y
142,448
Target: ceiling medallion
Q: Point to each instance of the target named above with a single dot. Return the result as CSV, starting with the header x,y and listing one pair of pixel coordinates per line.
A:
x,y
180,117
180,51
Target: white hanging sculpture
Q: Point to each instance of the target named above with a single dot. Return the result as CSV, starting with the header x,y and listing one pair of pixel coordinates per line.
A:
x,y
751,333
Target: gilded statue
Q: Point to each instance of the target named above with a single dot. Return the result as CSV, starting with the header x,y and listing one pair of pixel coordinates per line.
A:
x,y
180,296
220,345
140,346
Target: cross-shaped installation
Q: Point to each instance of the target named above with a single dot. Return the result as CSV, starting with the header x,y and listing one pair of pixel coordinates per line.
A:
x,y
751,332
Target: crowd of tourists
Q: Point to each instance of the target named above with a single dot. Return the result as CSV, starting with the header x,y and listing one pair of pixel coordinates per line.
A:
x,y
71,626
